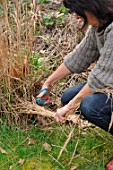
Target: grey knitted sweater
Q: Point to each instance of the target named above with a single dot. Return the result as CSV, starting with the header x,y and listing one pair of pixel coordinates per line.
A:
x,y
96,46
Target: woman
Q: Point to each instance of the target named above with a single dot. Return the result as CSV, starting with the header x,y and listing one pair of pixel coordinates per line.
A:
x,y
97,46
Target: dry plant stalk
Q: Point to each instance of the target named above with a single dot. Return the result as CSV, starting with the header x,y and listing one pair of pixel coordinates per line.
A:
x,y
15,47
39,110
30,108
3,57
74,152
65,144
34,109
16,68
111,122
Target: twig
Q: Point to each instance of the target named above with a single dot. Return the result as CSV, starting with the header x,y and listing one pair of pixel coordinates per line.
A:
x,y
67,141
111,122
74,152
56,161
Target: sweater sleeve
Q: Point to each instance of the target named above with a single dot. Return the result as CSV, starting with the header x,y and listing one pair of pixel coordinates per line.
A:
x,y
84,54
102,74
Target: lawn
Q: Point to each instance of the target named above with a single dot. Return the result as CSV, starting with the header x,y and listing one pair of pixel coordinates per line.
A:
x,y
38,148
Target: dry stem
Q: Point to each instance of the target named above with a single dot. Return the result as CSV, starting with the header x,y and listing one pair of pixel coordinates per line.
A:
x,y
65,144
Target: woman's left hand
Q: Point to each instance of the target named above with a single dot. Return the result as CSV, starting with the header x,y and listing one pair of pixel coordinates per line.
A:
x,y
61,113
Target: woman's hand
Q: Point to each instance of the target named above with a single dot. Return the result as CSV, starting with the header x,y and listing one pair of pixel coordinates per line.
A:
x,y
42,95
61,72
61,113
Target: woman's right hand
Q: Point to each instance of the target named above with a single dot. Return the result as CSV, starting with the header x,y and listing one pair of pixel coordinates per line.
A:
x,y
42,95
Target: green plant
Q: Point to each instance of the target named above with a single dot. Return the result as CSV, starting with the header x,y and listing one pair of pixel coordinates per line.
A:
x,y
54,19
43,1
63,9
37,61
48,19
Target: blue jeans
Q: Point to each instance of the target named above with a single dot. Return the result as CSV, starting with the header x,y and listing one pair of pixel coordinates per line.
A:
x,y
96,108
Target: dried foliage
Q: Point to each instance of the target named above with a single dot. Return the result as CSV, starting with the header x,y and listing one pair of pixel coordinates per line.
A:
x,y
28,29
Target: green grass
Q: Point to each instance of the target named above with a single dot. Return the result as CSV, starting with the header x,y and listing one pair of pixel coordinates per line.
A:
x,y
93,150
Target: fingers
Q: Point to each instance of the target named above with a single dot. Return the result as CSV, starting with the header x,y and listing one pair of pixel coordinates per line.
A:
x,y
41,94
48,101
43,97
59,118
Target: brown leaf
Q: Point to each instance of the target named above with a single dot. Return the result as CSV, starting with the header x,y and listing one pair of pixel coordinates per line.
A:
x,y
84,134
74,167
32,141
21,161
47,147
25,65
14,72
3,151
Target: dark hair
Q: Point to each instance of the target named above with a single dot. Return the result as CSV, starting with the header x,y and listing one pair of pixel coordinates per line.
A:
x,y
101,9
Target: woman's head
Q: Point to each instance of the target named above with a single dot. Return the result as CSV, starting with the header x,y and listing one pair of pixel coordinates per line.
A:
x,y
102,10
